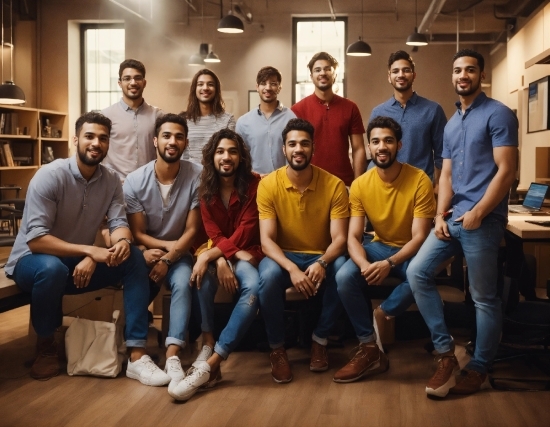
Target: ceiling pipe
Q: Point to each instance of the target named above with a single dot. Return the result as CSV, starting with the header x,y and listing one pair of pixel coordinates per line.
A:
x,y
431,15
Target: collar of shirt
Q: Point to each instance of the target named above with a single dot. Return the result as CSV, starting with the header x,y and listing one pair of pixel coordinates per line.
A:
x,y
312,185
412,100
480,99
280,107
73,166
322,102
126,107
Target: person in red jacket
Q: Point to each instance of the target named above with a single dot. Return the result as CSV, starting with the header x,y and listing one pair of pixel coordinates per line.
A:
x,y
230,215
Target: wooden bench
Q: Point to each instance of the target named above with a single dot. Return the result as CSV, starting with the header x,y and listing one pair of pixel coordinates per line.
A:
x,y
10,295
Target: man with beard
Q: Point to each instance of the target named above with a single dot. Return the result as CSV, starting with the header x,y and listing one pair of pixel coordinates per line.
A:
x,y
54,255
398,201
479,164
205,113
261,127
422,120
303,228
337,122
230,216
133,122
163,211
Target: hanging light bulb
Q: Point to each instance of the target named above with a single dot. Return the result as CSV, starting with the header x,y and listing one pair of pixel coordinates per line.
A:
x,y
359,48
416,39
230,23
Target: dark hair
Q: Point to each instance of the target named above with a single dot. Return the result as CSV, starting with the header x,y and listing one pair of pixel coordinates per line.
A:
x,y
400,54
298,124
193,111
92,117
322,55
171,118
385,123
210,180
266,72
473,54
131,63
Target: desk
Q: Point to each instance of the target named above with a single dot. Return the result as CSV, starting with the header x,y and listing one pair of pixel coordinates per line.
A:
x,y
527,231
534,239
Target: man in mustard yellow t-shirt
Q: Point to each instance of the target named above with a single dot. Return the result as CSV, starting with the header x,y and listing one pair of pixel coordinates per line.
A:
x,y
303,229
399,202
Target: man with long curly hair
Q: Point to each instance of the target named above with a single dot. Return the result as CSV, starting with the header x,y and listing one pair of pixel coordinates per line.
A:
x,y
230,216
205,113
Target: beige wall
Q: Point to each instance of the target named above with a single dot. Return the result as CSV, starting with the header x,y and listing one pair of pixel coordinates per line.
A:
x,y
165,47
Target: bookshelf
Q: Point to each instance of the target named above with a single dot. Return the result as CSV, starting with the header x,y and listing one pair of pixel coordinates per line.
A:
x,y
25,133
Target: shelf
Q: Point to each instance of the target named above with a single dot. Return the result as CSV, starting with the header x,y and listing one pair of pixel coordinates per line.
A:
x,y
54,139
8,136
10,168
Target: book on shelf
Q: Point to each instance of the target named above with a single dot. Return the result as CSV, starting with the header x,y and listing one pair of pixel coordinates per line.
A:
x,y
3,161
9,123
7,153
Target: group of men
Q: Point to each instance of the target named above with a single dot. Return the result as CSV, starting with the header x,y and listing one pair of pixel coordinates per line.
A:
x,y
273,200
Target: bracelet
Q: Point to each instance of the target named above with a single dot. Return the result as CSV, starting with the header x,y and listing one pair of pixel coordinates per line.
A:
x,y
392,264
125,239
323,263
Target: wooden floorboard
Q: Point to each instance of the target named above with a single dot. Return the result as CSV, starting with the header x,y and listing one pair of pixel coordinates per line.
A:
x,y
247,396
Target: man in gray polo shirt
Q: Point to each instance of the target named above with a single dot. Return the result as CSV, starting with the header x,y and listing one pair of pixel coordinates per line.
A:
x,y
164,215
54,253
262,127
133,122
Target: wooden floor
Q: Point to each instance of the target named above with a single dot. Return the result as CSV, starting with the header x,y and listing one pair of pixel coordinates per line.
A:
x,y
247,396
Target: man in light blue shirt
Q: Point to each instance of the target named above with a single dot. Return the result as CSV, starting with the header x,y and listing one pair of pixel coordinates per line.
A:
x,y
54,252
422,120
262,127
479,164
162,200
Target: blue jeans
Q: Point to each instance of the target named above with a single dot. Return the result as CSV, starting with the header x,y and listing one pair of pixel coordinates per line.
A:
x,y
47,278
273,282
177,280
350,288
245,310
480,247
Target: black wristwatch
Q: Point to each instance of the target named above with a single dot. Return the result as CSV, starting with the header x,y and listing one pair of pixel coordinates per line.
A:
x,y
166,261
323,263
392,264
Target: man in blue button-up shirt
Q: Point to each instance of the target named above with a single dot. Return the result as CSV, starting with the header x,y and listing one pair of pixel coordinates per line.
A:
x,y
422,120
479,163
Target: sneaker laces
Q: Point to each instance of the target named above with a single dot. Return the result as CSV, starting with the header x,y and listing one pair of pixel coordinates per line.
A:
x,y
279,358
441,370
319,352
358,354
173,365
149,365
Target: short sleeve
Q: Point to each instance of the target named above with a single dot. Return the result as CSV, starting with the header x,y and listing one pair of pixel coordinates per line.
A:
x,y
424,203
133,204
503,127
356,122
355,204
340,202
264,198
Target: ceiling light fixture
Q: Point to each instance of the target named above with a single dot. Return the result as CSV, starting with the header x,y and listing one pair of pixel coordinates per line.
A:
x,y
212,57
416,39
9,92
198,59
359,48
230,23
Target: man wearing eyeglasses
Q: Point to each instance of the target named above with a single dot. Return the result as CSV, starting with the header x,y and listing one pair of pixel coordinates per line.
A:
x,y
422,120
133,122
262,127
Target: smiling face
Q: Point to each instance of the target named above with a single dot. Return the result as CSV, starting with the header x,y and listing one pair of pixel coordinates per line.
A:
x,y
206,89
269,89
227,157
323,75
467,76
401,75
170,142
298,149
92,143
383,147
132,83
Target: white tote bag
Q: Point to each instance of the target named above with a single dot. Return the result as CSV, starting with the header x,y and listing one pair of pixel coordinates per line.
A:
x,y
94,347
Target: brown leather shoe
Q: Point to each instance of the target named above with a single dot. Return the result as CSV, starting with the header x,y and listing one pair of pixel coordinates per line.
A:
x,y
46,365
469,382
319,357
280,368
444,378
368,360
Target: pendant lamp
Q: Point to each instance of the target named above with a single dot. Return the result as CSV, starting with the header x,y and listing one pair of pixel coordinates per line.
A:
x,y
230,23
416,39
9,92
359,48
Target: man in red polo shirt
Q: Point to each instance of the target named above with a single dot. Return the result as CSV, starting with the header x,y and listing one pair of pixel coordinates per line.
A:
x,y
337,122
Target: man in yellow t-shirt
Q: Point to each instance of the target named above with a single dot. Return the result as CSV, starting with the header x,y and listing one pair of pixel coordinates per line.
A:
x,y
303,229
399,202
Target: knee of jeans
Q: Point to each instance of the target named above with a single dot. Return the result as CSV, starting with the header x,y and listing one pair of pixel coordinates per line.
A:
x,y
136,259
53,271
270,274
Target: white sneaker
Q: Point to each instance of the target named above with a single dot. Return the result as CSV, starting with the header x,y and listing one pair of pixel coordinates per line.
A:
x,y
146,372
203,356
174,370
191,383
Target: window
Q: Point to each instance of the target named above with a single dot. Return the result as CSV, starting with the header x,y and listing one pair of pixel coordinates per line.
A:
x,y
312,35
102,52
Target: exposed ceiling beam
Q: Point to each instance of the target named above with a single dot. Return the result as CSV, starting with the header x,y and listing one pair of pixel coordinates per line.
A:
x,y
431,15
